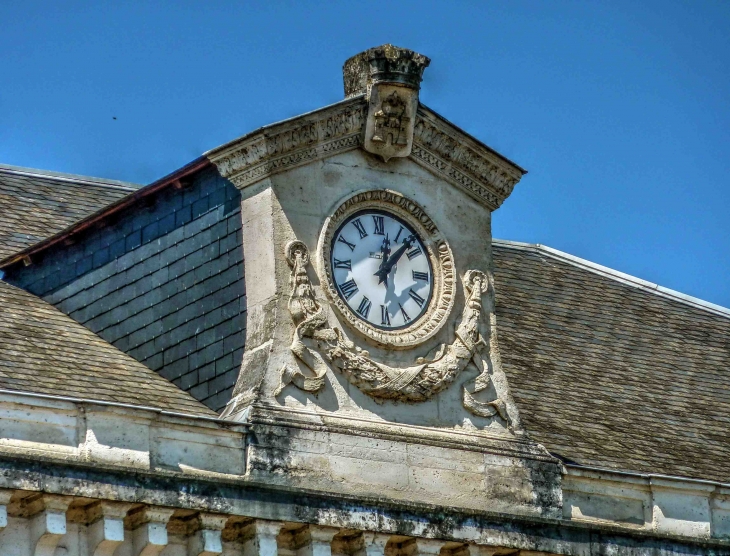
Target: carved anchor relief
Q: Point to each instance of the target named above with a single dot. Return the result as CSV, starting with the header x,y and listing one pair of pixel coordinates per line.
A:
x,y
416,383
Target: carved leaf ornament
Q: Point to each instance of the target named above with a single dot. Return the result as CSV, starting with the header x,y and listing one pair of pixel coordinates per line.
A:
x,y
316,344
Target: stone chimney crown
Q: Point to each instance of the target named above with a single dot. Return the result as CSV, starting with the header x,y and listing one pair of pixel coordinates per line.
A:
x,y
385,64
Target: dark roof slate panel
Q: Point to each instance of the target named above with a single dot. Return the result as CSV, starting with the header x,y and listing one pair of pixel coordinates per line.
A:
x,y
44,351
609,375
34,206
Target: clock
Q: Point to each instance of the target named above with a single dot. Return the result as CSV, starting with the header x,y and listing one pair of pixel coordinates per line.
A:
x,y
387,269
381,269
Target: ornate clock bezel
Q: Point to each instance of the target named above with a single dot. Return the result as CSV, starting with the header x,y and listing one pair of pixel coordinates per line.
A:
x,y
439,253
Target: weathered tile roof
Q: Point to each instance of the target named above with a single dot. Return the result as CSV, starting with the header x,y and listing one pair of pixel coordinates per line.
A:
x,y
610,373
35,205
46,352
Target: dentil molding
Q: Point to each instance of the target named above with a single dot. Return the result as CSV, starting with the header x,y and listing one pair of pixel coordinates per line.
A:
x,y
438,145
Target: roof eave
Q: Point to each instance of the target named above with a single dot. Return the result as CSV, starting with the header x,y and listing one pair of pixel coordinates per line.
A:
x,y
134,197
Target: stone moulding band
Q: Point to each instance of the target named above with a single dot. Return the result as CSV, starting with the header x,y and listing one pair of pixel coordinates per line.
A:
x,y
480,440
438,146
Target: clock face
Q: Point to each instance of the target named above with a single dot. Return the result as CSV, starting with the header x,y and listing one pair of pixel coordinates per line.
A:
x,y
381,269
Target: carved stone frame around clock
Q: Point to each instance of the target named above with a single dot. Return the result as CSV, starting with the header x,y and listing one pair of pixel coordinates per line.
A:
x,y
442,262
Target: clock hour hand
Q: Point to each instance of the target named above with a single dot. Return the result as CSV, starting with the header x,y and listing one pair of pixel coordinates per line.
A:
x,y
388,265
385,253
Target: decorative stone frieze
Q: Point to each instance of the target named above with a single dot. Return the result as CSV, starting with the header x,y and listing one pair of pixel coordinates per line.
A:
x,y
463,161
439,146
411,384
279,147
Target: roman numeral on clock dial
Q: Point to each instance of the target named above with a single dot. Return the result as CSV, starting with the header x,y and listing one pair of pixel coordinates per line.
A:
x,y
419,275
360,228
341,239
384,316
343,264
417,298
379,225
364,307
406,318
400,231
413,253
348,288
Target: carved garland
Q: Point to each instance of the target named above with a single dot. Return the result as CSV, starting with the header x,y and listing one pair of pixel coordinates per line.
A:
x,y
442,298
412,384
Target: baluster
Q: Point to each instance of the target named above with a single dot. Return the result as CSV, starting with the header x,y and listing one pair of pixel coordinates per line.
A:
x,y
48,527
263,540
149,537
206,541
107,533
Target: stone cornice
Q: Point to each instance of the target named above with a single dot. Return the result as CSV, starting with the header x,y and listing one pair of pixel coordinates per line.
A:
x,y
291,143
463,161
439,146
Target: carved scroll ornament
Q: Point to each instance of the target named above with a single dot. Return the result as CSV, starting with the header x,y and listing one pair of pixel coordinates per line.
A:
x,y
316,344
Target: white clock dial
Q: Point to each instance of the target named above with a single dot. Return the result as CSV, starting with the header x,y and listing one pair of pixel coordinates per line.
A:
x,y
381,269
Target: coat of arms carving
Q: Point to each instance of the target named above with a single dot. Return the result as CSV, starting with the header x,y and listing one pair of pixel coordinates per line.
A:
x,y
391,79
391,121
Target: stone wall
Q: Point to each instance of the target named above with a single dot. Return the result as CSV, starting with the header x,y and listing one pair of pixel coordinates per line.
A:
x,y
184,468
163,283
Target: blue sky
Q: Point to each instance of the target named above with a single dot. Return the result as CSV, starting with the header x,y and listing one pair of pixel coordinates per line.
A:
x,y
619,110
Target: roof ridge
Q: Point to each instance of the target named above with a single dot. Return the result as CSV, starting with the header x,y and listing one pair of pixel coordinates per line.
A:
x,y
72,178
616,275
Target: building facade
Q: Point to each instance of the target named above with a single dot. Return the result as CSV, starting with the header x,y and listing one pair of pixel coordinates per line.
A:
x,y
306,342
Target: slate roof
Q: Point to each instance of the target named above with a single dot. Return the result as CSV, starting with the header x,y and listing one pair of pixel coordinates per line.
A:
x,y
612,372
44,351
35,205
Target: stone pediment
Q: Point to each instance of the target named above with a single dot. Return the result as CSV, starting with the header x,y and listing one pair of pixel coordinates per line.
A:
x,y
438,145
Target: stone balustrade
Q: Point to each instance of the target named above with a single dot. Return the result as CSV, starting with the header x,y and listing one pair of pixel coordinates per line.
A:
x,y
36,524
